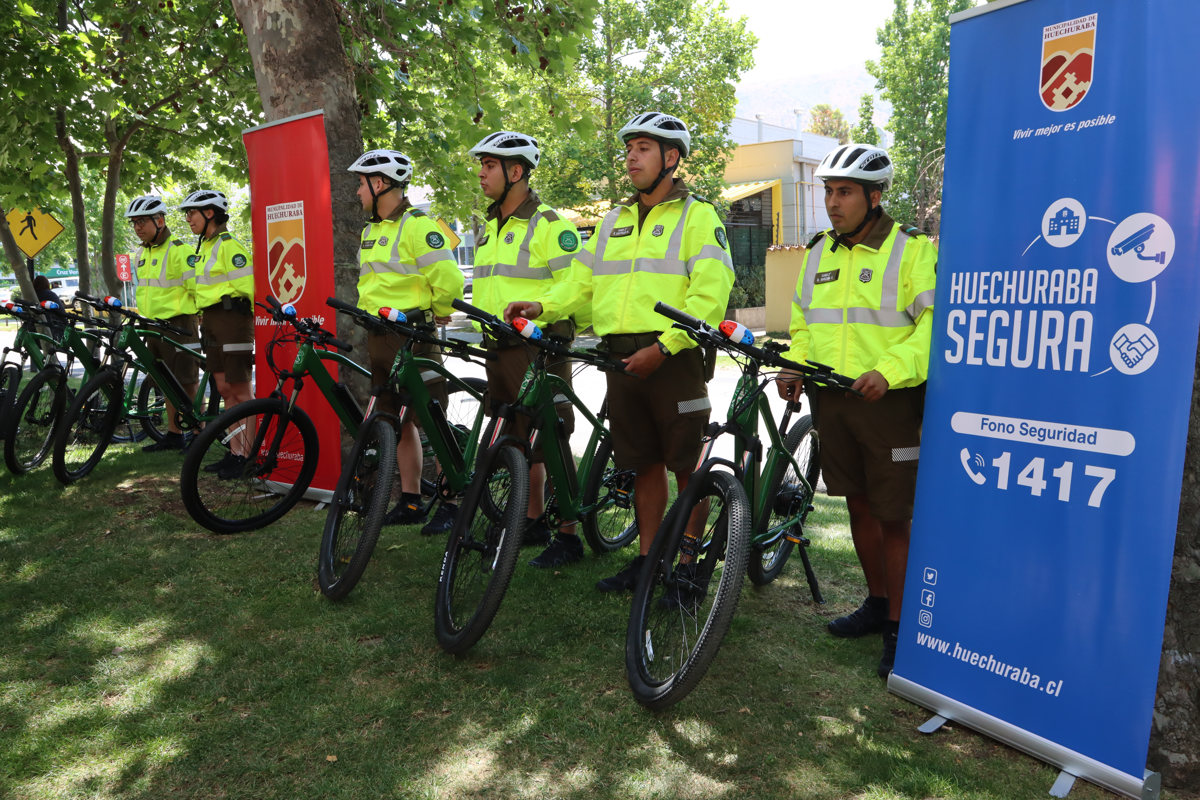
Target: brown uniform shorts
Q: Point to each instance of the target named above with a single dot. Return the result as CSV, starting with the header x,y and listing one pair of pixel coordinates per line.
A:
x,y
381,353
659,419
504,375
228,339
872,448
184,367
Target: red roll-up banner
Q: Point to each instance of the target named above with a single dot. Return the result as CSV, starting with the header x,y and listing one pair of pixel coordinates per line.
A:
x,y
292,223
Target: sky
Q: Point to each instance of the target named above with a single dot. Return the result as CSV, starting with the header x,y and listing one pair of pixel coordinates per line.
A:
x,y
809,52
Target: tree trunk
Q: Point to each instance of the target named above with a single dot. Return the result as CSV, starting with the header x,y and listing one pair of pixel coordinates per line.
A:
x,y
112,183
1175,737
17,259
300,66
78,209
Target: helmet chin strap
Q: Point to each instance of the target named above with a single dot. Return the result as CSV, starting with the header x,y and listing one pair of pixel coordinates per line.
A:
x,y
664,172
375,199
844,238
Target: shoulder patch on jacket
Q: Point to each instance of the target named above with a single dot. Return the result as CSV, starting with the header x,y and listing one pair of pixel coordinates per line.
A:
x,y
813,241
702,199
550,215
177,242
416,212
225,237
912,230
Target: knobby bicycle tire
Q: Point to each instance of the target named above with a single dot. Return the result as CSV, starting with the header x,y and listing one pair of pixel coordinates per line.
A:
x,y
789,499
87,426
356,511
152,406
282,458
29,430
679,617
611,524
10,385
482,550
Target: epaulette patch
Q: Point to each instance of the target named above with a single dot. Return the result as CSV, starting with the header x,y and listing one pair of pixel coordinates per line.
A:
x,y
225,237
813,241
177,242
912,230
550,216
416,212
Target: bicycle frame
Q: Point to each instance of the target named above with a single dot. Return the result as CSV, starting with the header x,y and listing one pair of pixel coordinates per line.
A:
x,y
130,339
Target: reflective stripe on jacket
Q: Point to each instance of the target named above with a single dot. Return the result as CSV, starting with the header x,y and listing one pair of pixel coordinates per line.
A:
x,y
679,256
403,263
166,285
223,267
524,258
867,307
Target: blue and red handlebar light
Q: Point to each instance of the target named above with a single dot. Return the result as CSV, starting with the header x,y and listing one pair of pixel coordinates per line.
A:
x,y
288,310
50,305
527,328
114,302
393,314
736,332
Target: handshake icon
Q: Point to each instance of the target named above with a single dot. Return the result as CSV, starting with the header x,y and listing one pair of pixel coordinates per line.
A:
x,y
1132,351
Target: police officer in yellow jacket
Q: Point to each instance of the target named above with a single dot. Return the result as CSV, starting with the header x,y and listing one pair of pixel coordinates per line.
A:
x,y
403,264
225,298
864,305
664,243
166,289
526,246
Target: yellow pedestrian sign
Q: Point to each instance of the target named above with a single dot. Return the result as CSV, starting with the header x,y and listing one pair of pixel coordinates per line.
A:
x,y
33,230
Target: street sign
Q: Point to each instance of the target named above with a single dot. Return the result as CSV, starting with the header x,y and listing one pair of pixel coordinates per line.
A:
x,y
124,272
452,240
33,230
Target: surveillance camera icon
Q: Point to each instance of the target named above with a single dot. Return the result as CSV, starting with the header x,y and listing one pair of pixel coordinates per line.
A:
x,y
1137,243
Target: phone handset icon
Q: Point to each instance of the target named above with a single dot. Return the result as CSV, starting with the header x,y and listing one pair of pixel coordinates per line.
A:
x,y
966,458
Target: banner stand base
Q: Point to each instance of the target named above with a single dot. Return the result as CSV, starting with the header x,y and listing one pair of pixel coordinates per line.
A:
x,y
1071,762
1062,784
932,724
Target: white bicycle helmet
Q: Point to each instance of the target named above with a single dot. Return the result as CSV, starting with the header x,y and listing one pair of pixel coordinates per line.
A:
x,y
391,163
509,145
205,198
145,206
861,163
661,127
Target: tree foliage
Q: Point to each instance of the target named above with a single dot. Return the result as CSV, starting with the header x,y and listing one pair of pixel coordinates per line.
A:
x,y
826,120
865,131
912,75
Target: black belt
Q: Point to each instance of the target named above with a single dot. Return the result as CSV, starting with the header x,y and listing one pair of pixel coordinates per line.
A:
x,y
629,343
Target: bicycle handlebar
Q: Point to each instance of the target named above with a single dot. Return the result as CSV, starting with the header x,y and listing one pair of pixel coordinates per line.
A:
x,y
704,333
304,326
532,334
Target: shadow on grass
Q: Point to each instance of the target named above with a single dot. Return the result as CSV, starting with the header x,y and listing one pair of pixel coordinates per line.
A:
x,y
145,658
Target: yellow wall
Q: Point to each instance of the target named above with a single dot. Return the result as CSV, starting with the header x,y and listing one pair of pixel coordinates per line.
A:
x,y
762,161
783,270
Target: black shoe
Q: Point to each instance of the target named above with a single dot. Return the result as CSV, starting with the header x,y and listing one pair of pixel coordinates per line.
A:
x,y
170,441
891,635
565,549
220,464
688,588
536,533
407,512
867,618
623,581
234,469
442,522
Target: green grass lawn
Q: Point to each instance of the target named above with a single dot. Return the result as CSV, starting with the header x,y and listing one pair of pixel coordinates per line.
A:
x,y
142,657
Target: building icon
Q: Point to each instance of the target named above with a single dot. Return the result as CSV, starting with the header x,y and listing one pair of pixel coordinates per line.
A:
x,y
1065,222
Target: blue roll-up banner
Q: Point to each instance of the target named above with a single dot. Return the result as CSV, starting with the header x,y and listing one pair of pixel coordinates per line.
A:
x,y
1067,306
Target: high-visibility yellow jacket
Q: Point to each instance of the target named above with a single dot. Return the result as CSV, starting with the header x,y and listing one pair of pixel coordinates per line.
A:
x,y
166,285
522,257
867,307
223,267
403,263
679,255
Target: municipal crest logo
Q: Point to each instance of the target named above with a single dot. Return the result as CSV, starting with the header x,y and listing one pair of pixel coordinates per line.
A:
x,y
287,263
434,240
658,231
865,275
1068,56
508,238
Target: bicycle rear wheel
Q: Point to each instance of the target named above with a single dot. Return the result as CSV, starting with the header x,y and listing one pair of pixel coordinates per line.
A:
x,y
790,497
356,511
29,430
10,383
608,491
249,466
152,409
87,427
482,550
688,591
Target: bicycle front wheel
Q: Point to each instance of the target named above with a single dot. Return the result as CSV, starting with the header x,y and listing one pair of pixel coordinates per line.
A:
x,y
10,384
356,512
790,498
87,427
482,550
608,492
688,591
29,431
249,466
152,409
